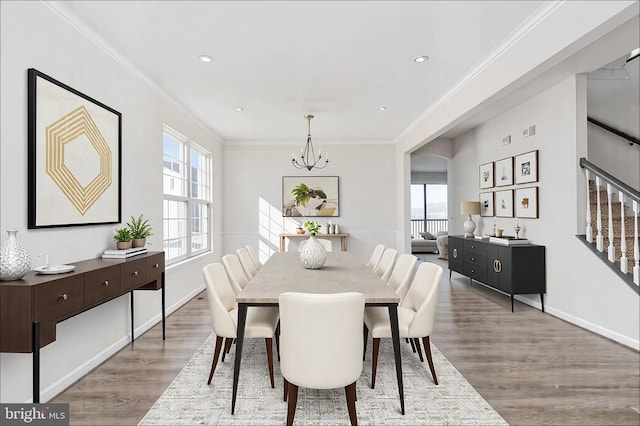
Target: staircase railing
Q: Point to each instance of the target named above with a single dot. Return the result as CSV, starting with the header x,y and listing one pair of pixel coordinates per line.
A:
x,y
626,194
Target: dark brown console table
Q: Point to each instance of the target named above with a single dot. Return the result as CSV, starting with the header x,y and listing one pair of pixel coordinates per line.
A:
x,y
31,307
518,269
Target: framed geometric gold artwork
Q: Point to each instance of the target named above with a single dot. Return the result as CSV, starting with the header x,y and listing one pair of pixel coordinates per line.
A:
x,y
74,143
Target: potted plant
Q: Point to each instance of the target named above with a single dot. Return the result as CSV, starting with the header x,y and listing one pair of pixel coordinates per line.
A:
x,y
122,238
140,230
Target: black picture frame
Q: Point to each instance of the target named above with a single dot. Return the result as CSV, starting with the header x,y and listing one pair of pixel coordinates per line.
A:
x,y
74,156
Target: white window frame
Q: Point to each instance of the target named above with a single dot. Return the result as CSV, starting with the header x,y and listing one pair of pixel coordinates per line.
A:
x,y
187,146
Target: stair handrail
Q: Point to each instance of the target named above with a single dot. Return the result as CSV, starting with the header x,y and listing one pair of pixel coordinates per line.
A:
x,y
616,132
617,183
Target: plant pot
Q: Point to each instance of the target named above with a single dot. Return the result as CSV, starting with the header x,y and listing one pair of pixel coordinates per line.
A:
x,y
139,242
312,254
123,245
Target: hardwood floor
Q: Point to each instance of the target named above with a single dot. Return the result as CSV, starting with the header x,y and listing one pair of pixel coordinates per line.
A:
x,y
531,367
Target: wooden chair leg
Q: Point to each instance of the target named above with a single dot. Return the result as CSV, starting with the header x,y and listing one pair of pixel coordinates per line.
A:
x,y
416,341
365,332
293,400
413,346
227,347
284,385
350,390
216,353
269,344
427,351
374,361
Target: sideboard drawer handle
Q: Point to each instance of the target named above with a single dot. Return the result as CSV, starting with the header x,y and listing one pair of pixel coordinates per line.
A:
x,y
455,253
473,271
106,283
156,266
473,258
65,296
135,273
473,246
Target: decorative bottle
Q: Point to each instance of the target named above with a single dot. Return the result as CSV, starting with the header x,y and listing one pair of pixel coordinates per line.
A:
x,y
15,261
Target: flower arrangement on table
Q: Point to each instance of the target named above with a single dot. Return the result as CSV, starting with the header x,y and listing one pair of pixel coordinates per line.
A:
x,y
312,227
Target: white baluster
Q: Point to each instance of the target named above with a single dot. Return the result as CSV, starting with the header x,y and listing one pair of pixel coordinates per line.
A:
x,y
589,231
636,249
599,238
623,240
611,249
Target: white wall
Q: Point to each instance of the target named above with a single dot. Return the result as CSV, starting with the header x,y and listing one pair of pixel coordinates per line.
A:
x,y
580,288
252,194
33,36
614,155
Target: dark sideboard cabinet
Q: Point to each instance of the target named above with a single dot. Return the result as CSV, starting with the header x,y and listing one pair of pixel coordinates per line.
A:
x,y
518,269
31,307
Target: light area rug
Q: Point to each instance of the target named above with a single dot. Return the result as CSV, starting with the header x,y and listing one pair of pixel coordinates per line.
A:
x,y
189,400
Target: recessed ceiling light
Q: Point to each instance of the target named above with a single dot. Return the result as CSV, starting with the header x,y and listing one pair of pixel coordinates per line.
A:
x,y
420,59
239,109
382,108
205,58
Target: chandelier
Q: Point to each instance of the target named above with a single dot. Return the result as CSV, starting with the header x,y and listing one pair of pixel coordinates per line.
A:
x,y
308,158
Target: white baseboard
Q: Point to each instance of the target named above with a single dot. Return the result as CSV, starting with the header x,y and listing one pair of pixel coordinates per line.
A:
x,y
75,375
605,332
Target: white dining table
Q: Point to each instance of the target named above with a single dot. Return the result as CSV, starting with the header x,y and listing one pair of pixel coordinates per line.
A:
x,y
342,272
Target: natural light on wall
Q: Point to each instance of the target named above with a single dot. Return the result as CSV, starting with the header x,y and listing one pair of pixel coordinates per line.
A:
x,y
271,224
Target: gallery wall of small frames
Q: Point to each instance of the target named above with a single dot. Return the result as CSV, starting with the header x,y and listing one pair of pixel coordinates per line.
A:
x,y
497,176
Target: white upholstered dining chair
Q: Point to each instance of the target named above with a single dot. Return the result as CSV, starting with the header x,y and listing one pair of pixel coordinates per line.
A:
x,y
261,321
325,243
321,344
400,277
246,262
254,256
375,256
416,316
385,266
237,275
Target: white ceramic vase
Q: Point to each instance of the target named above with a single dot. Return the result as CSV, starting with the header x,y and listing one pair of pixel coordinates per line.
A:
x,y
15,261
312,254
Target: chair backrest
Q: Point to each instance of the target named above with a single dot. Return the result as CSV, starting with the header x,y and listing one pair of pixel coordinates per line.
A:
x,y
400,277
254,256
321,339
235,271
325,243
385,266
221,298
375,256
422,297
246,262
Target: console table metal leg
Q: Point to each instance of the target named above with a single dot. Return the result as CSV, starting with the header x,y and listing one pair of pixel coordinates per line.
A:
x,y
542,300
242,319
395,336
163,306
511,302
35,340
131,292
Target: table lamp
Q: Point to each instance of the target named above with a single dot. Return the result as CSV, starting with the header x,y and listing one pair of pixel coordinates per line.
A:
x,y
469,207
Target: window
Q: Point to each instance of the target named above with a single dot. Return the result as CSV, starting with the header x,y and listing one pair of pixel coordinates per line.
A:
x,y
187,183
428,208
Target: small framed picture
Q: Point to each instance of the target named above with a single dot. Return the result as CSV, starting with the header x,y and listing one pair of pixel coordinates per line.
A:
x,y
486,175
486,204
504,203
526,202
526,168
504,172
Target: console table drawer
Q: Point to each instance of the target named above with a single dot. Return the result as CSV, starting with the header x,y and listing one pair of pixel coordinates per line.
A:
x,y
475,259
101,285
133,274
477,273
154,269
59,299
473,246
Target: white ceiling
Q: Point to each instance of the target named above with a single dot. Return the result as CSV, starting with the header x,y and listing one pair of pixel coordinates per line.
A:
x,y
281,60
